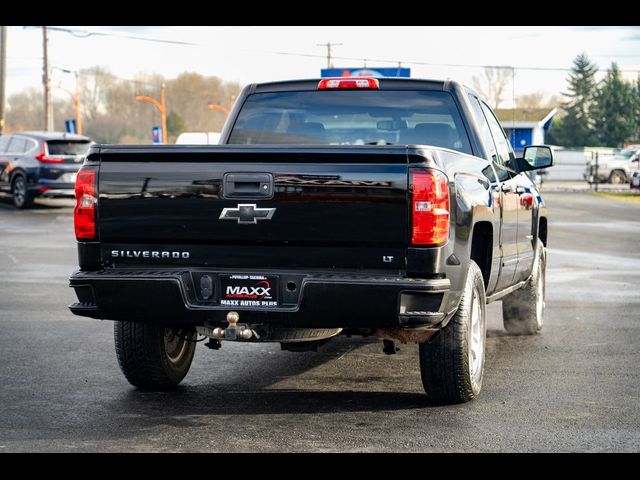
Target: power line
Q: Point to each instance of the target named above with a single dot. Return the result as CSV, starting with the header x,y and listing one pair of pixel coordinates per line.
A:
x,y
429,64
86,34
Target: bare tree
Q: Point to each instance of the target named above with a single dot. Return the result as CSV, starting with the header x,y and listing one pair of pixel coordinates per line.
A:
x,y
111,113
492,84
189,94
537,100
94,82
25,111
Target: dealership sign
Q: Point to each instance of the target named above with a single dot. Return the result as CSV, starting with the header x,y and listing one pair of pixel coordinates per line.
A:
x,y
366,72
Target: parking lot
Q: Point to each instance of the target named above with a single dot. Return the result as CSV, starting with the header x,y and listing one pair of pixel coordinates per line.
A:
x,y
572,388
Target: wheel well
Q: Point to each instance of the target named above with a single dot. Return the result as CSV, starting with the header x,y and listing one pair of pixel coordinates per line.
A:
x,y
482,248
542,230
15,175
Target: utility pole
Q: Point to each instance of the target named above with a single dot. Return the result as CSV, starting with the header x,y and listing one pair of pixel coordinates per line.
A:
x,y
48,117
3,72
328,45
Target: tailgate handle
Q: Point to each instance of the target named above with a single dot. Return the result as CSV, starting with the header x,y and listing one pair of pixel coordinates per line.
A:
x,y
247,185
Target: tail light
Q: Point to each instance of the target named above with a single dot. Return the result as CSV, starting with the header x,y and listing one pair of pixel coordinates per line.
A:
x,y
84,215
42,156
429,208
352,83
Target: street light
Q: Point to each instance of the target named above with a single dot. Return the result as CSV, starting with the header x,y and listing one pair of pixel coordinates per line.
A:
x,y
214,106
78,106
161,106
74,96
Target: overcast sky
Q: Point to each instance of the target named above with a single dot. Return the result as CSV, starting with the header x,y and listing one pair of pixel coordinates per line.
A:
x,y
248,54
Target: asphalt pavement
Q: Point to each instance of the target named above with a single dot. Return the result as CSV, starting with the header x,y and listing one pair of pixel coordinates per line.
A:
x,y
574,387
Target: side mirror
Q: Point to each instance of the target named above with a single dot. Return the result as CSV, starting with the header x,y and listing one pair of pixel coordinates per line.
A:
x,y
535,157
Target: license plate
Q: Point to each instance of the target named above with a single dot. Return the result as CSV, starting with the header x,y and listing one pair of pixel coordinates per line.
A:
x,y
69,177
244,290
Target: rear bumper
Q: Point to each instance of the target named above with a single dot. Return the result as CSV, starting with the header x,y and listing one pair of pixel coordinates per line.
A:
x,y
318,300
53,189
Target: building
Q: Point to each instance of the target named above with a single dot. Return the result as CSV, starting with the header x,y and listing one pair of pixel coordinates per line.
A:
x,y
525,126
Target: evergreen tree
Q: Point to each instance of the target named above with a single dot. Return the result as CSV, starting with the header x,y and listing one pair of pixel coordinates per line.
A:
x,y
175,124
613,110
636,111
576,129
556,134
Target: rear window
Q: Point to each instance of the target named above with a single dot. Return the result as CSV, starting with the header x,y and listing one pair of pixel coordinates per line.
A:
x,y
68,147
351,117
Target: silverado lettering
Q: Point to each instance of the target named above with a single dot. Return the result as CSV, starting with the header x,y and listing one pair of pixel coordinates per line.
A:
x,y
402,211
147,254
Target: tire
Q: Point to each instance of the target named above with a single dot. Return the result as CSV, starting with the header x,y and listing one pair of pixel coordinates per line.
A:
x,y
617,177
452,364
154,357
523,310
22,198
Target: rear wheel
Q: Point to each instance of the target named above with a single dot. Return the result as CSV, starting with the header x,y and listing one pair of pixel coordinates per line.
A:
x,y
153,356
452,364
22,198
523,310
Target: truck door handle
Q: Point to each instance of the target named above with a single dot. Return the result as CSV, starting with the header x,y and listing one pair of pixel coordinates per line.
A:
x,y
247,185
506,188
520,190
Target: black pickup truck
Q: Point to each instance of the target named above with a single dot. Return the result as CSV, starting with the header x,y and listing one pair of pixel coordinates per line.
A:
x,y
391,208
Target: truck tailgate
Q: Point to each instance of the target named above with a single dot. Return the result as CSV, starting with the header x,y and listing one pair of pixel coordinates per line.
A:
x,y
315,197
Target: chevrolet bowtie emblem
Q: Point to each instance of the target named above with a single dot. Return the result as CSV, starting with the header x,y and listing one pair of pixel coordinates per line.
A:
x,y
247,213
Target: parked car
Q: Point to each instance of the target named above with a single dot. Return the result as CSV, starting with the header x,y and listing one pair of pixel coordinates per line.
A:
x,y
42,164
616,169
198,138
634,181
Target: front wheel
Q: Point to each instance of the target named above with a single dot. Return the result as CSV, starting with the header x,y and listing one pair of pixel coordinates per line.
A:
x,y
523,310
452,364
153,356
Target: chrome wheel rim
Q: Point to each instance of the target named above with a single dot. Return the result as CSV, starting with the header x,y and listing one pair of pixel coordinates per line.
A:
x,y
476,340
175,344
540,297
19,191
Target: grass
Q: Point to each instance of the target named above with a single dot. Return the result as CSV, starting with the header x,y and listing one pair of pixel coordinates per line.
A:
x,y
633,197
